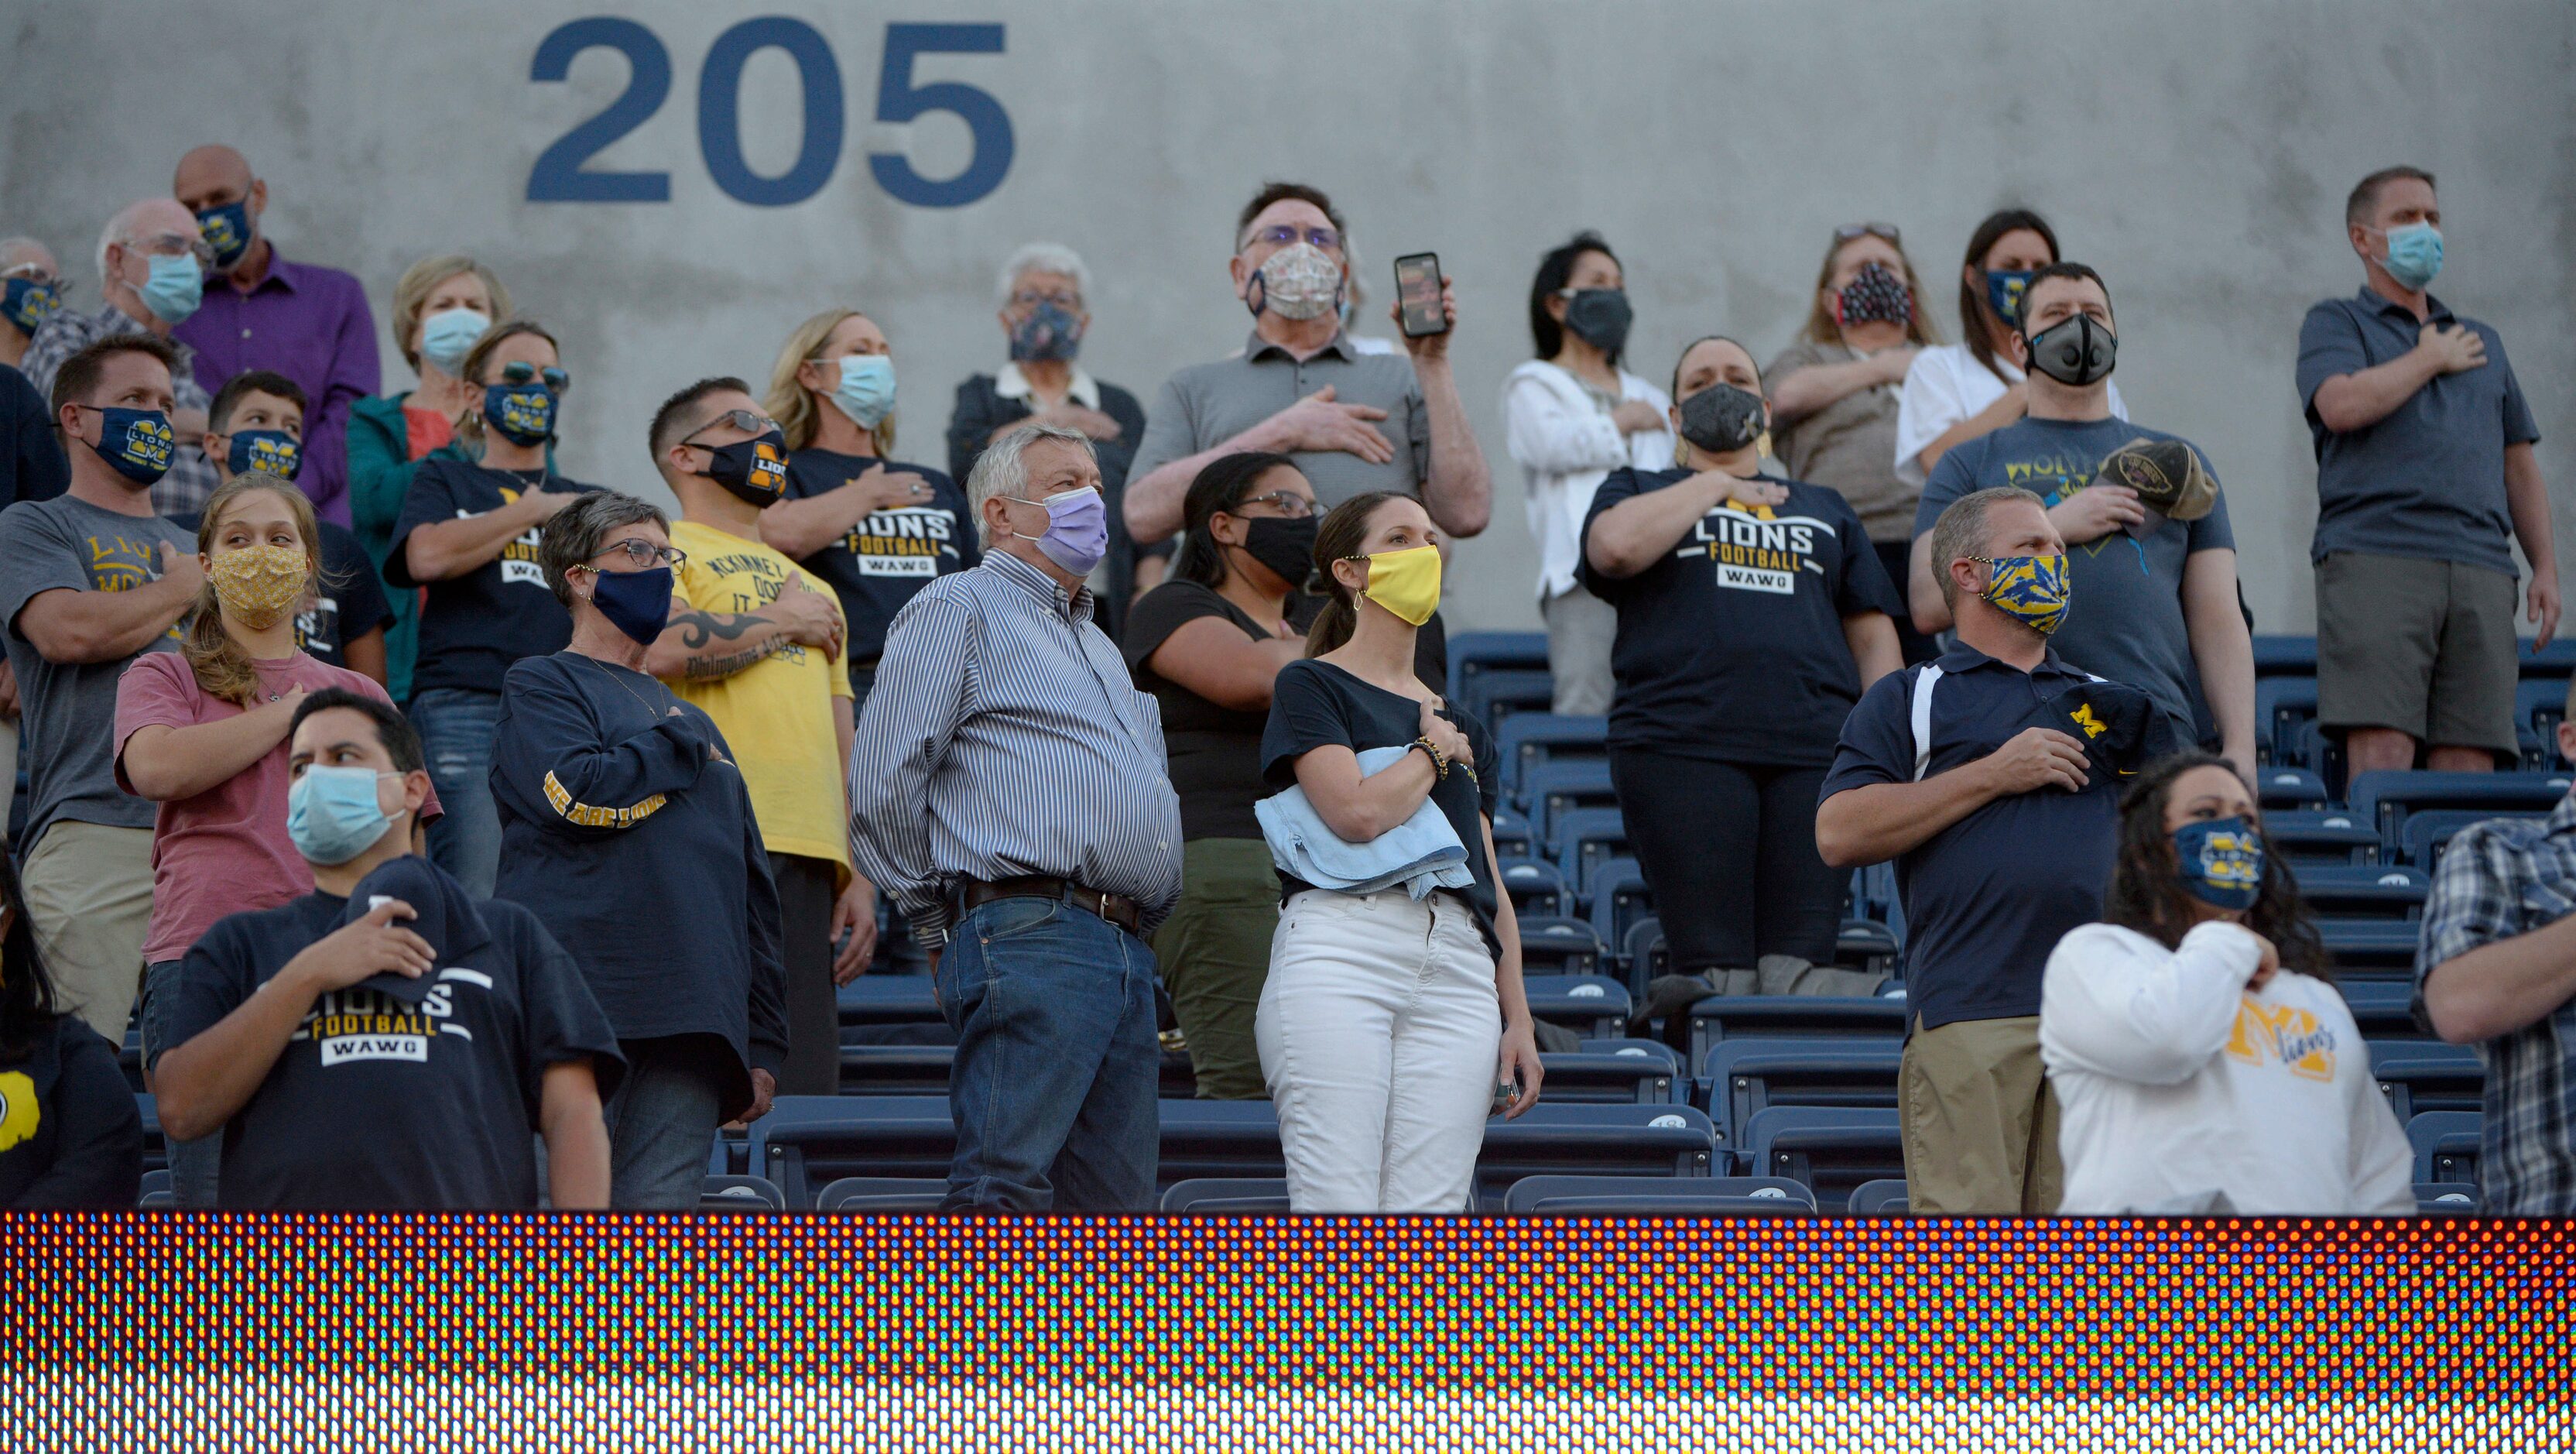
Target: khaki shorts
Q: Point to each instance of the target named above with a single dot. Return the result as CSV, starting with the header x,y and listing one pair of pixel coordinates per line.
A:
x,y
1980,1121
2426,647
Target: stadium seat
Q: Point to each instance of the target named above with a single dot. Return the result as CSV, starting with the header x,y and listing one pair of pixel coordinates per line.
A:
x,y
1512,837
1831,1149
1475,653
1720,1016
2449,1199
1586,1140
2428,832
2383,799
1220,1195
895,1070
1866,944
1619,899
1526,739
1560,946
2322,835
1746,1075
1650,1196
883,1194
1644,954
2540,705
1884,1197
1536,888
2291,787
888,999
156,1150
2364,891
1553,789
740,1194
807,1142
1493,697
2446,1145
155,1183
2383,1009
2557,662
2371,948
1594,1005
2285,656
1231,1139
2283,708
1612,1072
1585,839
2427,1075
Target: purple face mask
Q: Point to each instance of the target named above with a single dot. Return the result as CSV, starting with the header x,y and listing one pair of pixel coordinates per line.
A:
x,y
1077,533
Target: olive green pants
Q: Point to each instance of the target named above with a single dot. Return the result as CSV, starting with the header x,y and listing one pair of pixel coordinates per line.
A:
x,y
1215,953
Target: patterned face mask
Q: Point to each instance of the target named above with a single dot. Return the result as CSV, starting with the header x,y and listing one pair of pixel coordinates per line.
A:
x,y
1298,283
2221,860
2032,589
1874,295
258,584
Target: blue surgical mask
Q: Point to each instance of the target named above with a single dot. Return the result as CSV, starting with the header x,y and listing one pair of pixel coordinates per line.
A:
x,y
270,451
27,302
637,602
175,287
332,813
446,338
2221,860
137,443
520,413
2004,289
2414,254
866,393
227,230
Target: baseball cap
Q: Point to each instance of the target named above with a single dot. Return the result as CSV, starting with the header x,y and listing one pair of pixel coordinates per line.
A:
x,y
2168,477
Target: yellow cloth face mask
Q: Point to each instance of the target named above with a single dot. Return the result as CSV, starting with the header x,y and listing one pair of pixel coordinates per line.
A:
x,y
260,583
1406,582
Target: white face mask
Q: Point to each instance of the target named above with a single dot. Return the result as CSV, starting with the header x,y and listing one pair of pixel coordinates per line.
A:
x,y
1299,282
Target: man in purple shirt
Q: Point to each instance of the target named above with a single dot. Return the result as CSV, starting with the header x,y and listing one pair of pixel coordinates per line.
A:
x,y
307,322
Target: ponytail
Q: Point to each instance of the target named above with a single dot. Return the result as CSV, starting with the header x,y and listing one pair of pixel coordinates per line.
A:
x,y
223,665
1343,531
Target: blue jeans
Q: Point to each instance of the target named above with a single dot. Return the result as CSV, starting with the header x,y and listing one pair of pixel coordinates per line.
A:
x,y
196,1167
456,729
1054,1085
661,1120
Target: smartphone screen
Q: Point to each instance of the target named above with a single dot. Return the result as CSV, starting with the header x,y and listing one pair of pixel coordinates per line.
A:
x,y
1417,287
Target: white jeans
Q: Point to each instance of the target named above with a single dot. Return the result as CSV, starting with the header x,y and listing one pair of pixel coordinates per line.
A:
x,y
1378,1030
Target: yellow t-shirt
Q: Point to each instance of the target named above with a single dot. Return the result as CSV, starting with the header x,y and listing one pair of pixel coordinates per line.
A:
x,y
776,714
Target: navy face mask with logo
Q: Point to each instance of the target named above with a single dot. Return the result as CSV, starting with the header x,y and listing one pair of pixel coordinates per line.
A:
x,y
137,442
2221,861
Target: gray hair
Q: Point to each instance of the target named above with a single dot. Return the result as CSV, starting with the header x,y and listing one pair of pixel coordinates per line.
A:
x,y
576,534
1003,471
11,246
1961,532
120,230
1041,257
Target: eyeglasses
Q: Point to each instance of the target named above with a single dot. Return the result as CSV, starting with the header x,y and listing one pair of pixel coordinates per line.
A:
x,y
644,553
742,419
31,270
1284,235
520,373
1068,300
1850,230
172,244
1289,505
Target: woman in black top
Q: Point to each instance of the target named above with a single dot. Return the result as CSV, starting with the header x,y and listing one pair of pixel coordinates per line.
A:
x,y
69,1133
1387,1021
1207,644
469,533
1752,613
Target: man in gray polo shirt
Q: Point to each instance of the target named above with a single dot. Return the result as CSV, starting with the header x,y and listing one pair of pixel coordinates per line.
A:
x,y
2425,477
1353,421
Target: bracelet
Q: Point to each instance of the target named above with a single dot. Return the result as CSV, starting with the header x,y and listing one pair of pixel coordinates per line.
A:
x,y
1439,761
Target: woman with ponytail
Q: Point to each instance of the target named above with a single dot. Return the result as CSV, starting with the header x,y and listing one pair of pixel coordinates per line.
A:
x,y
1390,1026
202,732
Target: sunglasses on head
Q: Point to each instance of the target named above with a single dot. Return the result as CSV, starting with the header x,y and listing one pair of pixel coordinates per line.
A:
x,y
1850,230
520,373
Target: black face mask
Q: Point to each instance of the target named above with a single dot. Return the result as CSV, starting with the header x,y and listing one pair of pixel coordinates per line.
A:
x,y
755,470
1600,317
1286,548
2077,352
1722,418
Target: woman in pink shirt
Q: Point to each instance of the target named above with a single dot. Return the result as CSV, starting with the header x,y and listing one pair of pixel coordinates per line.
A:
x,y
202,731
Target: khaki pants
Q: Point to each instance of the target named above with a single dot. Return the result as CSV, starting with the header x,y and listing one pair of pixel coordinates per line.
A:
x,y
1980,1122
89,899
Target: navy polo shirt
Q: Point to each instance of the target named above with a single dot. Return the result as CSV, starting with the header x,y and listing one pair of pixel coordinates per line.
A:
x,y
2428,480
1988,897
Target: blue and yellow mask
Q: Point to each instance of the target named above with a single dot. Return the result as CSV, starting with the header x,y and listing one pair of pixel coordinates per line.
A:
x,y
2032,589
2221,861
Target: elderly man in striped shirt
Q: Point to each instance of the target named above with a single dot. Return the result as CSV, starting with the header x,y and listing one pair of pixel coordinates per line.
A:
x,y
1009,788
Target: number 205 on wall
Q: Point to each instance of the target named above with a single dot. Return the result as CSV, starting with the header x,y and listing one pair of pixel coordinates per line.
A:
x,y
560,176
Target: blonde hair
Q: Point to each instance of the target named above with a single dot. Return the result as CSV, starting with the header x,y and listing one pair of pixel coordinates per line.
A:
x,y
222,664
1920,330
470,427
792,404
412,290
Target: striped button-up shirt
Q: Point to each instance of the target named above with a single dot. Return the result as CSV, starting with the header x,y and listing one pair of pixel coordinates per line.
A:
x,y
192,479
2499,880
1005,737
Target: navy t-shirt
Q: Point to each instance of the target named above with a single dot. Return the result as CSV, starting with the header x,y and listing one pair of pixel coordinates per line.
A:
x,y
1731,647
351,604
379,1103
474,625
1317,704
1988,897
2124,618
880,562
70,1135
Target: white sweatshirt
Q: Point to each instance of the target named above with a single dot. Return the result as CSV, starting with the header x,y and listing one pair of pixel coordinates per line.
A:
x,y
1566,446
2176,1083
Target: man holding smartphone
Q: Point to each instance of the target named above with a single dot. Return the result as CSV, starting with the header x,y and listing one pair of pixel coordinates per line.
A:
x,y
1354,422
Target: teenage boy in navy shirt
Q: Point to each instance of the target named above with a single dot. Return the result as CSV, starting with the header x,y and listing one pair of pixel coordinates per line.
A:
x,y
1991,776
384,1041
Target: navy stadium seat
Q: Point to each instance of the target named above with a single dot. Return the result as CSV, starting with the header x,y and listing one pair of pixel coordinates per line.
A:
x,y
1492,697
741,1194
883,1194
1719,1017
1474,653
1512,837
2371,948
1219,1138
1832,1149
807,1142
1747,1075
2429,831
1553,789
156,1150
895,1070
2428,1075
1594,1005
2285,656
2446,1145
1536,888
2383,1009
888,999
2540,705
1650,1196
1560,946
1618,1072
156,1184
2283,708
2322,835
1866,944
2558,661
2364,891
1221,1195
1619,898
1884,1197
1586,838
1644,954
1604,1140
1526,739
2449,1199
2385,798
2291,787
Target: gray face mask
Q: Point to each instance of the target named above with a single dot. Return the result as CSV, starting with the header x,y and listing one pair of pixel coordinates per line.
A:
x,y
2077,352
1299,282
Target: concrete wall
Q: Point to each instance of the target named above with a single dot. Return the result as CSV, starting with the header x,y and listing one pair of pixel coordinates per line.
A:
x,y
2198,153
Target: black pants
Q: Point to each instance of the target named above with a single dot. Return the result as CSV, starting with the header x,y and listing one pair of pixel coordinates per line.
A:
x,y
805,941
1898,557
1730,855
